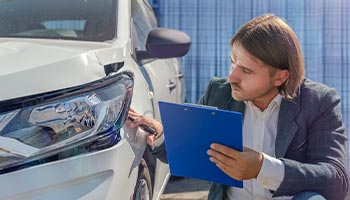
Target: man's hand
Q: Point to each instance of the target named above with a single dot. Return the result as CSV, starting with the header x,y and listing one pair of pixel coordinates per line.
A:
x,y
238,165
140,119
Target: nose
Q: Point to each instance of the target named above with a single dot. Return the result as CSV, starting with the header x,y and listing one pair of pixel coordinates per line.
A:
x,y
233,76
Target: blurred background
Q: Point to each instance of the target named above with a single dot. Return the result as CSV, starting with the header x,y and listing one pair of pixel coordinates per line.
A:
x,y
322,26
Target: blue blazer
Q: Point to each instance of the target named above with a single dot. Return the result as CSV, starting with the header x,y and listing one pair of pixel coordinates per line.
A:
x,y
311,139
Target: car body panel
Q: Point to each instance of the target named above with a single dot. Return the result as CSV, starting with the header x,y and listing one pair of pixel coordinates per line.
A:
x,y
87,176
56,63
31,66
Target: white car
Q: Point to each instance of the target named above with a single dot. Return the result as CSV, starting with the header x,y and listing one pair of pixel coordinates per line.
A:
x,y
69,71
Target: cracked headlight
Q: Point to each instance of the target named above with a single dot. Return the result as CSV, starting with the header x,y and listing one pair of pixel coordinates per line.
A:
x,y
60,124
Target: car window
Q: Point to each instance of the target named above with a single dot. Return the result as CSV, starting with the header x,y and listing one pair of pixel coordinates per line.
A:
x,y
143,19
150,13
93,20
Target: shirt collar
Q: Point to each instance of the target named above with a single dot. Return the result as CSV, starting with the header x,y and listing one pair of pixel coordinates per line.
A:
x,y
277,100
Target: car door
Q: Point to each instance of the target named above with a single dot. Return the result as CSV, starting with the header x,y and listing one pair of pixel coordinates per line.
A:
x,y
163,75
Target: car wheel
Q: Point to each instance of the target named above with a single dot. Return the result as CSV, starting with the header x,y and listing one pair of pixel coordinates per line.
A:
x,y
143,188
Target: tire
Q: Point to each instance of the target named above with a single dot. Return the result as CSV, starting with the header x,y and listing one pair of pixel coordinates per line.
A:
x,y
143,188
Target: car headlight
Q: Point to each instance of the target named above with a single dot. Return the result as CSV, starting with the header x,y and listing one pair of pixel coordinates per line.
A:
x,y
64,123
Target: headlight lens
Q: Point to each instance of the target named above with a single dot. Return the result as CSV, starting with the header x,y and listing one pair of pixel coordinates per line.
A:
x,y
84,117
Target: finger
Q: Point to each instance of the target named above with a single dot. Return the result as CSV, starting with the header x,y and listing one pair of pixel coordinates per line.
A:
x,y
230,170
137,121
150,139
147,121
226,150
131,124
127,122
221,157
133,114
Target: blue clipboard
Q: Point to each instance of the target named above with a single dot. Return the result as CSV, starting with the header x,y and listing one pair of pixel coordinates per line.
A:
x,y
189,130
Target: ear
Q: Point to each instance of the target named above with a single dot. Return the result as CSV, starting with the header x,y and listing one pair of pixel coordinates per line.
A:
x,y
280,77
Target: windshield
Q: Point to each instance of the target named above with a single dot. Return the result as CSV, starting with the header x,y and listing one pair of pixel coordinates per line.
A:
x,y
92,20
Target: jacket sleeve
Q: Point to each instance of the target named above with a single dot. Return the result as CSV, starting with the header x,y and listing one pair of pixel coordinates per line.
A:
x,y
160,153
323,169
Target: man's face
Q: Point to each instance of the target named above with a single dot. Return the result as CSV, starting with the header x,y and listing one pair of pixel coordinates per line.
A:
x,y
251,80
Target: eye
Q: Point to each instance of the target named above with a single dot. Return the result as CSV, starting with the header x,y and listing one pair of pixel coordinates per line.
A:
x,y
232,61
246,71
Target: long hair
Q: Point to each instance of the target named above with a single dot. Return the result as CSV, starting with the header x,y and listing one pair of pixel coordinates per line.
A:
x,y
269,39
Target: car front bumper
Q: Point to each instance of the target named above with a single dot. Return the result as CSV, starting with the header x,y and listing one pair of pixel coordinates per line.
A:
x,y
105,174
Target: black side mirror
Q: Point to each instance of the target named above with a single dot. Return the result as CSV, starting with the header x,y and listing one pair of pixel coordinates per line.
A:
x,y
165,43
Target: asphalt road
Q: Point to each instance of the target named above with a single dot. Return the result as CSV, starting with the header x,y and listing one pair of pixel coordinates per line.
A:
x,y
191,189
186,188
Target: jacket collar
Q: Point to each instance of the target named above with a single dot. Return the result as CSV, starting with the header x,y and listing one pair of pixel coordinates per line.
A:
x,y
237,106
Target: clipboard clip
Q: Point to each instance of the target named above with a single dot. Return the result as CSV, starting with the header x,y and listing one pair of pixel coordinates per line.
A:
x,y
199,106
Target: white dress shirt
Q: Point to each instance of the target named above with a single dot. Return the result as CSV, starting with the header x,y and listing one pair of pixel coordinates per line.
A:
x,y
259,134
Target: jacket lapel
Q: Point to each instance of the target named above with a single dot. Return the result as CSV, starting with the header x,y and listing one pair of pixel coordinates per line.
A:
x,y
286,127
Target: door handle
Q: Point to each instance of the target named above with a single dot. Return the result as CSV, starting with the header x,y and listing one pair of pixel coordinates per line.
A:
x,y
171,85
180,76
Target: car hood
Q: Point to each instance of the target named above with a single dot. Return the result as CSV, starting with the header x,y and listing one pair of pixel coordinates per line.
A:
x,y
32,66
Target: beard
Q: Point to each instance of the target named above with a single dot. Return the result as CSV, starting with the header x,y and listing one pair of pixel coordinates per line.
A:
x,y
239,94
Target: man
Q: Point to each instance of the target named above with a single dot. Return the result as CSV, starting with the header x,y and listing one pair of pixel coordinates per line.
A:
x,y
293,134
